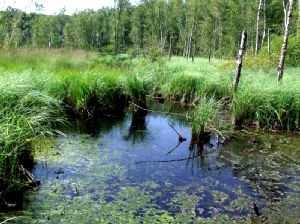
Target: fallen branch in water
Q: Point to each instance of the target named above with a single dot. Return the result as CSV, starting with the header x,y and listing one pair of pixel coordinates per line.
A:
x,y
12,218
179,143
29,176
180,138
167,161
160,112
256,210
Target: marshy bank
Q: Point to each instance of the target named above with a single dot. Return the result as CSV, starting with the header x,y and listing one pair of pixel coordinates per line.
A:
x,y
42,91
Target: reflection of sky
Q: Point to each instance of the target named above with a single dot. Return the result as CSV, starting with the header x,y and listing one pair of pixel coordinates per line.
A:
x,y
223,180
52,7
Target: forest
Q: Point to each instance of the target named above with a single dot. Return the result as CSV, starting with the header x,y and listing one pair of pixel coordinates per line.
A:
x,y
206,27
164,111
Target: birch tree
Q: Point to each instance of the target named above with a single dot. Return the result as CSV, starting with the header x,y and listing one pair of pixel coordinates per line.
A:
x,y
287,21
257,26
265,25
298,24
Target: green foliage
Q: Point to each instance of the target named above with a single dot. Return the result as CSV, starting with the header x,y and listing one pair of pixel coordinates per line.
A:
x,y
293,51
112,61
211,81
33,105
26,112
262,99
149,27
182,85
205,115
154,54
265,60
135,88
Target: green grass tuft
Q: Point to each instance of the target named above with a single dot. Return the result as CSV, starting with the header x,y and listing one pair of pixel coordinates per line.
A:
x,y
206,115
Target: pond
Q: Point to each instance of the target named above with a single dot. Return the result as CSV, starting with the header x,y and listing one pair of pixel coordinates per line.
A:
x,y
122,173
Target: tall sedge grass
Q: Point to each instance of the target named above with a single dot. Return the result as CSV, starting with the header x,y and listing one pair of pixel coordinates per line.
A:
x,y
179,77
212,81
271,104
206,116
86,92
260,99
35,94
135,88
18,60
25,113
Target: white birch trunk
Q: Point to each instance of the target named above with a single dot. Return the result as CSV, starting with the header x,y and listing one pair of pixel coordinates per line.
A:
x,y
265,25
285,40
285,10
269,44
257,26
239,61
170,47
298,25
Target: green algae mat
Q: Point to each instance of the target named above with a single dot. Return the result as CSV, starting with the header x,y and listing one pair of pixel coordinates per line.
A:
x,y
116,173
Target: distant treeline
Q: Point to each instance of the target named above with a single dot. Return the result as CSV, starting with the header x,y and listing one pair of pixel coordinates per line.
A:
x,y
185,27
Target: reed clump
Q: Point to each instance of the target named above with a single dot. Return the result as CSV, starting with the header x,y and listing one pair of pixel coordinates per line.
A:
x,y
206,116
267,103
25,113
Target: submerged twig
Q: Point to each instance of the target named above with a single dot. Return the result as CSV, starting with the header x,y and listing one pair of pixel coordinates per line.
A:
x,y
167,161
161,112
256,210
179,143
28,175
180,138
12,218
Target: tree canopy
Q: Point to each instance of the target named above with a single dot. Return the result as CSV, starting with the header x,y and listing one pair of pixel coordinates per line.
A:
x,y
207,27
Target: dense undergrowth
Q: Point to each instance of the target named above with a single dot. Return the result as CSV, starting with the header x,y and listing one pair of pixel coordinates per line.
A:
x,y
39,89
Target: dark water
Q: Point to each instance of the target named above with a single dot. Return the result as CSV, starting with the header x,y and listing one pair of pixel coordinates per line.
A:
x,y
126,174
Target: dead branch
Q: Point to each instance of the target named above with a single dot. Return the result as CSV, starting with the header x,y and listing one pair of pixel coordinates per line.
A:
x,y
180,138
179,143
167,161
12,218
161,112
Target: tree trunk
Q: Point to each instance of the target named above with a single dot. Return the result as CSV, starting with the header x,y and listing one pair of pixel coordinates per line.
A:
x,y
170,48
269,44
184,49
285,10
285,41
298,25
49,43
189,50
265,25
191,39
123,40
161,41
116,27
239,61
257,26
192,49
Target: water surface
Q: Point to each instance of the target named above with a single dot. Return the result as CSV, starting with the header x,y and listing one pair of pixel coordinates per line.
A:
x,y
126,174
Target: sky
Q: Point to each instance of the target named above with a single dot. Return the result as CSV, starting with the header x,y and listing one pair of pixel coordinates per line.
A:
x,y
54,6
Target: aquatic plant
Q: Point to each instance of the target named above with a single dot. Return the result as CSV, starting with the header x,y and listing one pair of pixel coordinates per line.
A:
x,y
135,88
25,112
205,116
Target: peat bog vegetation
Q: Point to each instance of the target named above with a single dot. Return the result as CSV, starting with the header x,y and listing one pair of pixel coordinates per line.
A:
x,y
45,92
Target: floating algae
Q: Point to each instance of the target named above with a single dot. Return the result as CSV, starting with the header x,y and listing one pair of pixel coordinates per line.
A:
x,y
99,178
